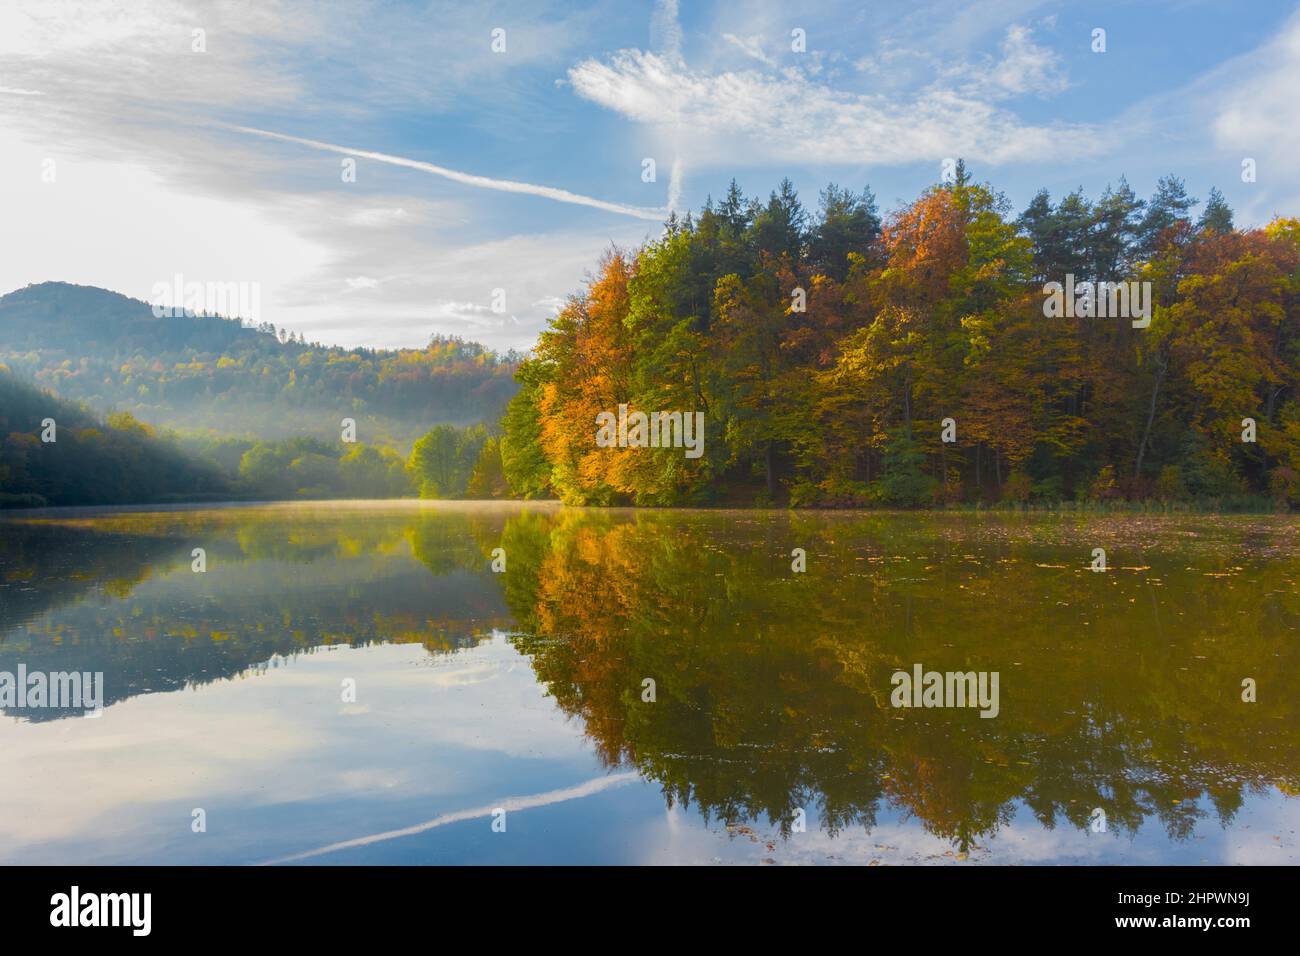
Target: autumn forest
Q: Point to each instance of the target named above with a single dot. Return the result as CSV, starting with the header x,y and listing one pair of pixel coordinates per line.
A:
x,y
827,349
835,356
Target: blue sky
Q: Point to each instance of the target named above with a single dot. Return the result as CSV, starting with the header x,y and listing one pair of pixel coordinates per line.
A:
x,y
157,170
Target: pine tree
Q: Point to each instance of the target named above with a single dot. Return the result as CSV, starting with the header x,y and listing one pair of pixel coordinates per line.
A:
x,y
1217,215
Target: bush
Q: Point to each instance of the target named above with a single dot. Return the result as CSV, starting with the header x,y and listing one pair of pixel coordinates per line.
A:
x,y
1284,485
1017,487
1103,487
1170,485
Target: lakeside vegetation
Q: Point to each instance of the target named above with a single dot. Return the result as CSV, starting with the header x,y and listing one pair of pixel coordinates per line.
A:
x,y
202,408
118,459
827,351
934,313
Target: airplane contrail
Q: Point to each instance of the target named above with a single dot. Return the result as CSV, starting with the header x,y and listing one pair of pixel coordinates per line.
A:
x,y
469,179
509,804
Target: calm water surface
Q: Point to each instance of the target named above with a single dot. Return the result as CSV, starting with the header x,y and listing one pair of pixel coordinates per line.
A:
x,y
522,690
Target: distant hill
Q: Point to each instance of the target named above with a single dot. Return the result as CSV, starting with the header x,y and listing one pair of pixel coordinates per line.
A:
x,y
213,373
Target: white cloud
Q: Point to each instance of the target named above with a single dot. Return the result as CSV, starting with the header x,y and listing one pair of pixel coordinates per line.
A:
x,y
373,217
54,231
150,182
675,185
446,284
751,46
1027,67
1256,114
552,304
666,30
155,754
1022,67
786,118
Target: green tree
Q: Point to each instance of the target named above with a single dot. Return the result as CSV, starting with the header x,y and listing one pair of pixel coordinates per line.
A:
x,y
441,462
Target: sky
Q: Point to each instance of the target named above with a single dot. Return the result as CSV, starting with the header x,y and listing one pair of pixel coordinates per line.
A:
x,y
133,149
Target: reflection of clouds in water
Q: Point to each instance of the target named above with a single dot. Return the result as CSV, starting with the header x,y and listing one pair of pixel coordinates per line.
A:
x,y
70,778
464,676
510,805
1271,839
267,741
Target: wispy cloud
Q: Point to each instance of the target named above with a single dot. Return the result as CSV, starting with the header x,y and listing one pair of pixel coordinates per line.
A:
x,y
510,805
1256,114
1027,67
666,30
133,115
468,179
751,46
427,283
788,117
675,186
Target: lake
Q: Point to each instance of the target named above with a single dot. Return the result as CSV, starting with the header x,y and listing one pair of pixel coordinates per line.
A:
x,y
354,683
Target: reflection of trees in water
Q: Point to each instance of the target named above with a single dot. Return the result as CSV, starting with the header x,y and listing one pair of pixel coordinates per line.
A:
x,y
1119,691
276,586
44,567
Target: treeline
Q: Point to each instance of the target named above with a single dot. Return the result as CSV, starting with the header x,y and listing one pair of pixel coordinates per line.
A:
x,y
831,354
215,373
84,459
88,460
452,462
447,462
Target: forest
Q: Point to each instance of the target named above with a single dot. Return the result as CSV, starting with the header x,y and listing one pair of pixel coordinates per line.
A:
x,y
215,374
53,451
837,357
57,452
832,352
204,408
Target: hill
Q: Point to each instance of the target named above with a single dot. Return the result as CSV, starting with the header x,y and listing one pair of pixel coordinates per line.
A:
x,y
200,372
87,460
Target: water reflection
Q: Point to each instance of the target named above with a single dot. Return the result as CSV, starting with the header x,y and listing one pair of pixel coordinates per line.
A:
x,y
1119,691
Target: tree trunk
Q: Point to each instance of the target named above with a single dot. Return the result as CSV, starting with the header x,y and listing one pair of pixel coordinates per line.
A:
x,y
907,408
1272,403
1151,417
771,478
